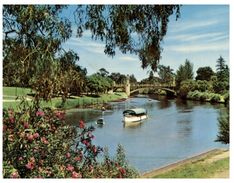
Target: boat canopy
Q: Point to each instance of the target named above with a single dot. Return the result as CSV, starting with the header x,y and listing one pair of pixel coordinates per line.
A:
x,y
136,111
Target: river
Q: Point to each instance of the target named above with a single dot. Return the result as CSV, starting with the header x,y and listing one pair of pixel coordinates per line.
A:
x,y
174,130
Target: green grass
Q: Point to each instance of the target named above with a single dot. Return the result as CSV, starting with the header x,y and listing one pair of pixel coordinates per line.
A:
x,y
197,170
10,93
15,91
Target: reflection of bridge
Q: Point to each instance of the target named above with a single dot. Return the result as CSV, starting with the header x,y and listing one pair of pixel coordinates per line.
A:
x,y
130,89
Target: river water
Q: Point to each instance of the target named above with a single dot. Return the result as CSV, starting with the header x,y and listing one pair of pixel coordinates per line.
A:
x,y
174,130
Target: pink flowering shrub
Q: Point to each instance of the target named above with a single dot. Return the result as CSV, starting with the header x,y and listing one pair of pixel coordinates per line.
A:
x,y
37,143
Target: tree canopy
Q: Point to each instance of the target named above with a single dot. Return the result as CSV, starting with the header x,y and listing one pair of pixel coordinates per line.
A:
x,y
137,29
184,72
204,73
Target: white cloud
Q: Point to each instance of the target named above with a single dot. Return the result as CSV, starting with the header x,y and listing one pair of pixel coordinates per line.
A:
x,y
198,47
128,58
196,37
191,25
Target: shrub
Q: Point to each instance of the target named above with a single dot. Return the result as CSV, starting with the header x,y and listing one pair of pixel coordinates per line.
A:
x,y
215,97
226,97
37,143
204,96
185,87
224,127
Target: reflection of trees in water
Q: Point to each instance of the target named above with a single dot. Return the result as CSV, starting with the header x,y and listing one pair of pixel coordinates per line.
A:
x,y
184,105
184,128
162,104
73,118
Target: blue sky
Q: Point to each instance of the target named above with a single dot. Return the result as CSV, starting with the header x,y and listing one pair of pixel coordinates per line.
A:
x,y
200,35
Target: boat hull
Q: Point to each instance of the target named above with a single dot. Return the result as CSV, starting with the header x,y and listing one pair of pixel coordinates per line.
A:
x,y
132,119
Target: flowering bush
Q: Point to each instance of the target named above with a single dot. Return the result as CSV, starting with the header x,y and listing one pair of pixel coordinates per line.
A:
x,y
37,143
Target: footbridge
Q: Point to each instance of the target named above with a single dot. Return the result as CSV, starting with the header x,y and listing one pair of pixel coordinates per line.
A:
x,y
131,89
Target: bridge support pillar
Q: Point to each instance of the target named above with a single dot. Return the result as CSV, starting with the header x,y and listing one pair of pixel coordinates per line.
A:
x,y
127,86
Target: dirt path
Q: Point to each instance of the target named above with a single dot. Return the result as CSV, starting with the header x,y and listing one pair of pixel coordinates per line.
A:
x,y
210,156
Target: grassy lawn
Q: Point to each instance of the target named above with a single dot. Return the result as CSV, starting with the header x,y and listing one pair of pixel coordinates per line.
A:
x,y
10,94
197,169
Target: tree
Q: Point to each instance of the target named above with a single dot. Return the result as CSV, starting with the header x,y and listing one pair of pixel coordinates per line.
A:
x,y
99,84
33,35
118,78
222,70
204,73
224,127
185,87
132,79
165,74
220,64
137,29
184,72
103,72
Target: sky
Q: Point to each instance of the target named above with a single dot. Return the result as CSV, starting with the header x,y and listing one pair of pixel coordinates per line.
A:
x,y
200,35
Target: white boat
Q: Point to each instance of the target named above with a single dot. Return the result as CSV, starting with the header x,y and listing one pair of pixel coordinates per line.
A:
x,y
134,115
100,121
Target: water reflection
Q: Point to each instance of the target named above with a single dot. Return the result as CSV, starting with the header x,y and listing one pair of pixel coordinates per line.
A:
x,y
132,125
184,128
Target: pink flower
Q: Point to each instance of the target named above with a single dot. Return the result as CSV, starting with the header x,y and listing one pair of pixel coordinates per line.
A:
x,y
76,175
4,128
94,149
30,137
15,175
69,168
60,115
20,158
122,170
36,135
26,125
40,113
85,142
81,124
12,119
78,158
44,140
29,165
68,155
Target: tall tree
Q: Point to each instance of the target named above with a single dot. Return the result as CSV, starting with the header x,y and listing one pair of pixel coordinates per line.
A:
x,y
137,29
132,79
220,64
33,35
204,73
222,70
165,74
185,72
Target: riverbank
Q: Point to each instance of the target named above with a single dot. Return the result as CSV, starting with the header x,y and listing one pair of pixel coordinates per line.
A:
x,y
12,98
211,164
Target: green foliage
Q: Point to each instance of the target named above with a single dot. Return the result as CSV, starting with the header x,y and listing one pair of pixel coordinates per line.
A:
x,y
118,78
215,97
203,85
226,98
185,72
99,84
220,87
165,74
185,87
204,73
32,37
224,127
118,26
222,70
